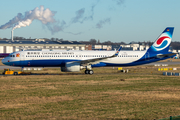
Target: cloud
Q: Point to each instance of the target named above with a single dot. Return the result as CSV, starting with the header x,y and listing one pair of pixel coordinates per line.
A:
x,y
119,2
91,16
100,24
74,33
55,27
79,15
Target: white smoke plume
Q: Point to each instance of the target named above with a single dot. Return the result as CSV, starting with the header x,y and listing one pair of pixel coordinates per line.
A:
x,y
46,16
41,14
12,22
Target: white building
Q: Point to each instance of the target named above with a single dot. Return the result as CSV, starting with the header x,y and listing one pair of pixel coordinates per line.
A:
x,y
103,47
9,46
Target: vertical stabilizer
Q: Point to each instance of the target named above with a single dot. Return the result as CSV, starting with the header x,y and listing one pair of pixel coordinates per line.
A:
x,y
161,45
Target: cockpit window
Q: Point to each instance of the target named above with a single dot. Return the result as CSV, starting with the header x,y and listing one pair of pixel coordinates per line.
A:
x,y
11,56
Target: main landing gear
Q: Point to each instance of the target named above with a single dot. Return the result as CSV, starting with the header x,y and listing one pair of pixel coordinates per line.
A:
x,y
89,70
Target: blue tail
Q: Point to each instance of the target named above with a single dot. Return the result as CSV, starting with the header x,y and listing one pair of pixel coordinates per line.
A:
x,y
161,45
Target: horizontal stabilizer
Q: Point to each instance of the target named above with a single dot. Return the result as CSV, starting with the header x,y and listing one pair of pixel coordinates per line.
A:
x,y
165,55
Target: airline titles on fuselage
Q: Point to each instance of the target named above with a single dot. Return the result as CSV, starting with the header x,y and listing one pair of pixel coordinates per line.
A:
x,y
71,54
45,53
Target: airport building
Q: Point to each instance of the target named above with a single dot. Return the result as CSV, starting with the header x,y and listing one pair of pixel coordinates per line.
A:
x,y
9,46
101,47
134,47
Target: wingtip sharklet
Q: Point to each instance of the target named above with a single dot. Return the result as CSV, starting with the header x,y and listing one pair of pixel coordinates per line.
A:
x,y
117,52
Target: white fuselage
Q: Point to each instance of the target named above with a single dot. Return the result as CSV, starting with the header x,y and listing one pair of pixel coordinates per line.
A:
x,y
58,57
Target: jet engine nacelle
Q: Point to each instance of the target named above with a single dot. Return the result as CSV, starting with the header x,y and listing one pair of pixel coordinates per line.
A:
x,y
71,67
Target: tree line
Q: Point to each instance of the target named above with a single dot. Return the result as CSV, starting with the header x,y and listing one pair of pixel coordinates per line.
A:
x,y
174,44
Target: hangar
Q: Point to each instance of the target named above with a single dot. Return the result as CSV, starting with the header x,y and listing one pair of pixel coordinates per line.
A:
x,y
9,46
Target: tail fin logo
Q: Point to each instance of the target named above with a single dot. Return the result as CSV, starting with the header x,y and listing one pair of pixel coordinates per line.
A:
x,y
163,41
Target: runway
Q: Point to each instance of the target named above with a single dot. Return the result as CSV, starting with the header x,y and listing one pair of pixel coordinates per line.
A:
x,y
2,67
169,63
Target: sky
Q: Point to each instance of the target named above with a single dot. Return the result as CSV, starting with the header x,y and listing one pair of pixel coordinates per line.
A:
x,y
82,20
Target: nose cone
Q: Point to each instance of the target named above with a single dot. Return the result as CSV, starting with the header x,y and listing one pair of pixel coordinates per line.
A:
x,y
4,61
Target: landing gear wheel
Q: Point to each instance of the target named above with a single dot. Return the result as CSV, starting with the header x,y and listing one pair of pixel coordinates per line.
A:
x,y
15,73
91,72
86,72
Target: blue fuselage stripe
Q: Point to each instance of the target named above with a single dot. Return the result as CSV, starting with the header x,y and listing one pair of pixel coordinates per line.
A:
x,y
61,62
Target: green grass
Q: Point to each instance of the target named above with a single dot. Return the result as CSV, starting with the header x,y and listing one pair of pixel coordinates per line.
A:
x,y
145,94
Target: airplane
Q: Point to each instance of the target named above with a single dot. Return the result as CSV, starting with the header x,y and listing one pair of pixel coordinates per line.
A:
x,y
75,60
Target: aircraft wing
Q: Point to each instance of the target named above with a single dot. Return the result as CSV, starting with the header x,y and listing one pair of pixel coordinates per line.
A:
x,y
165,55
97,60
